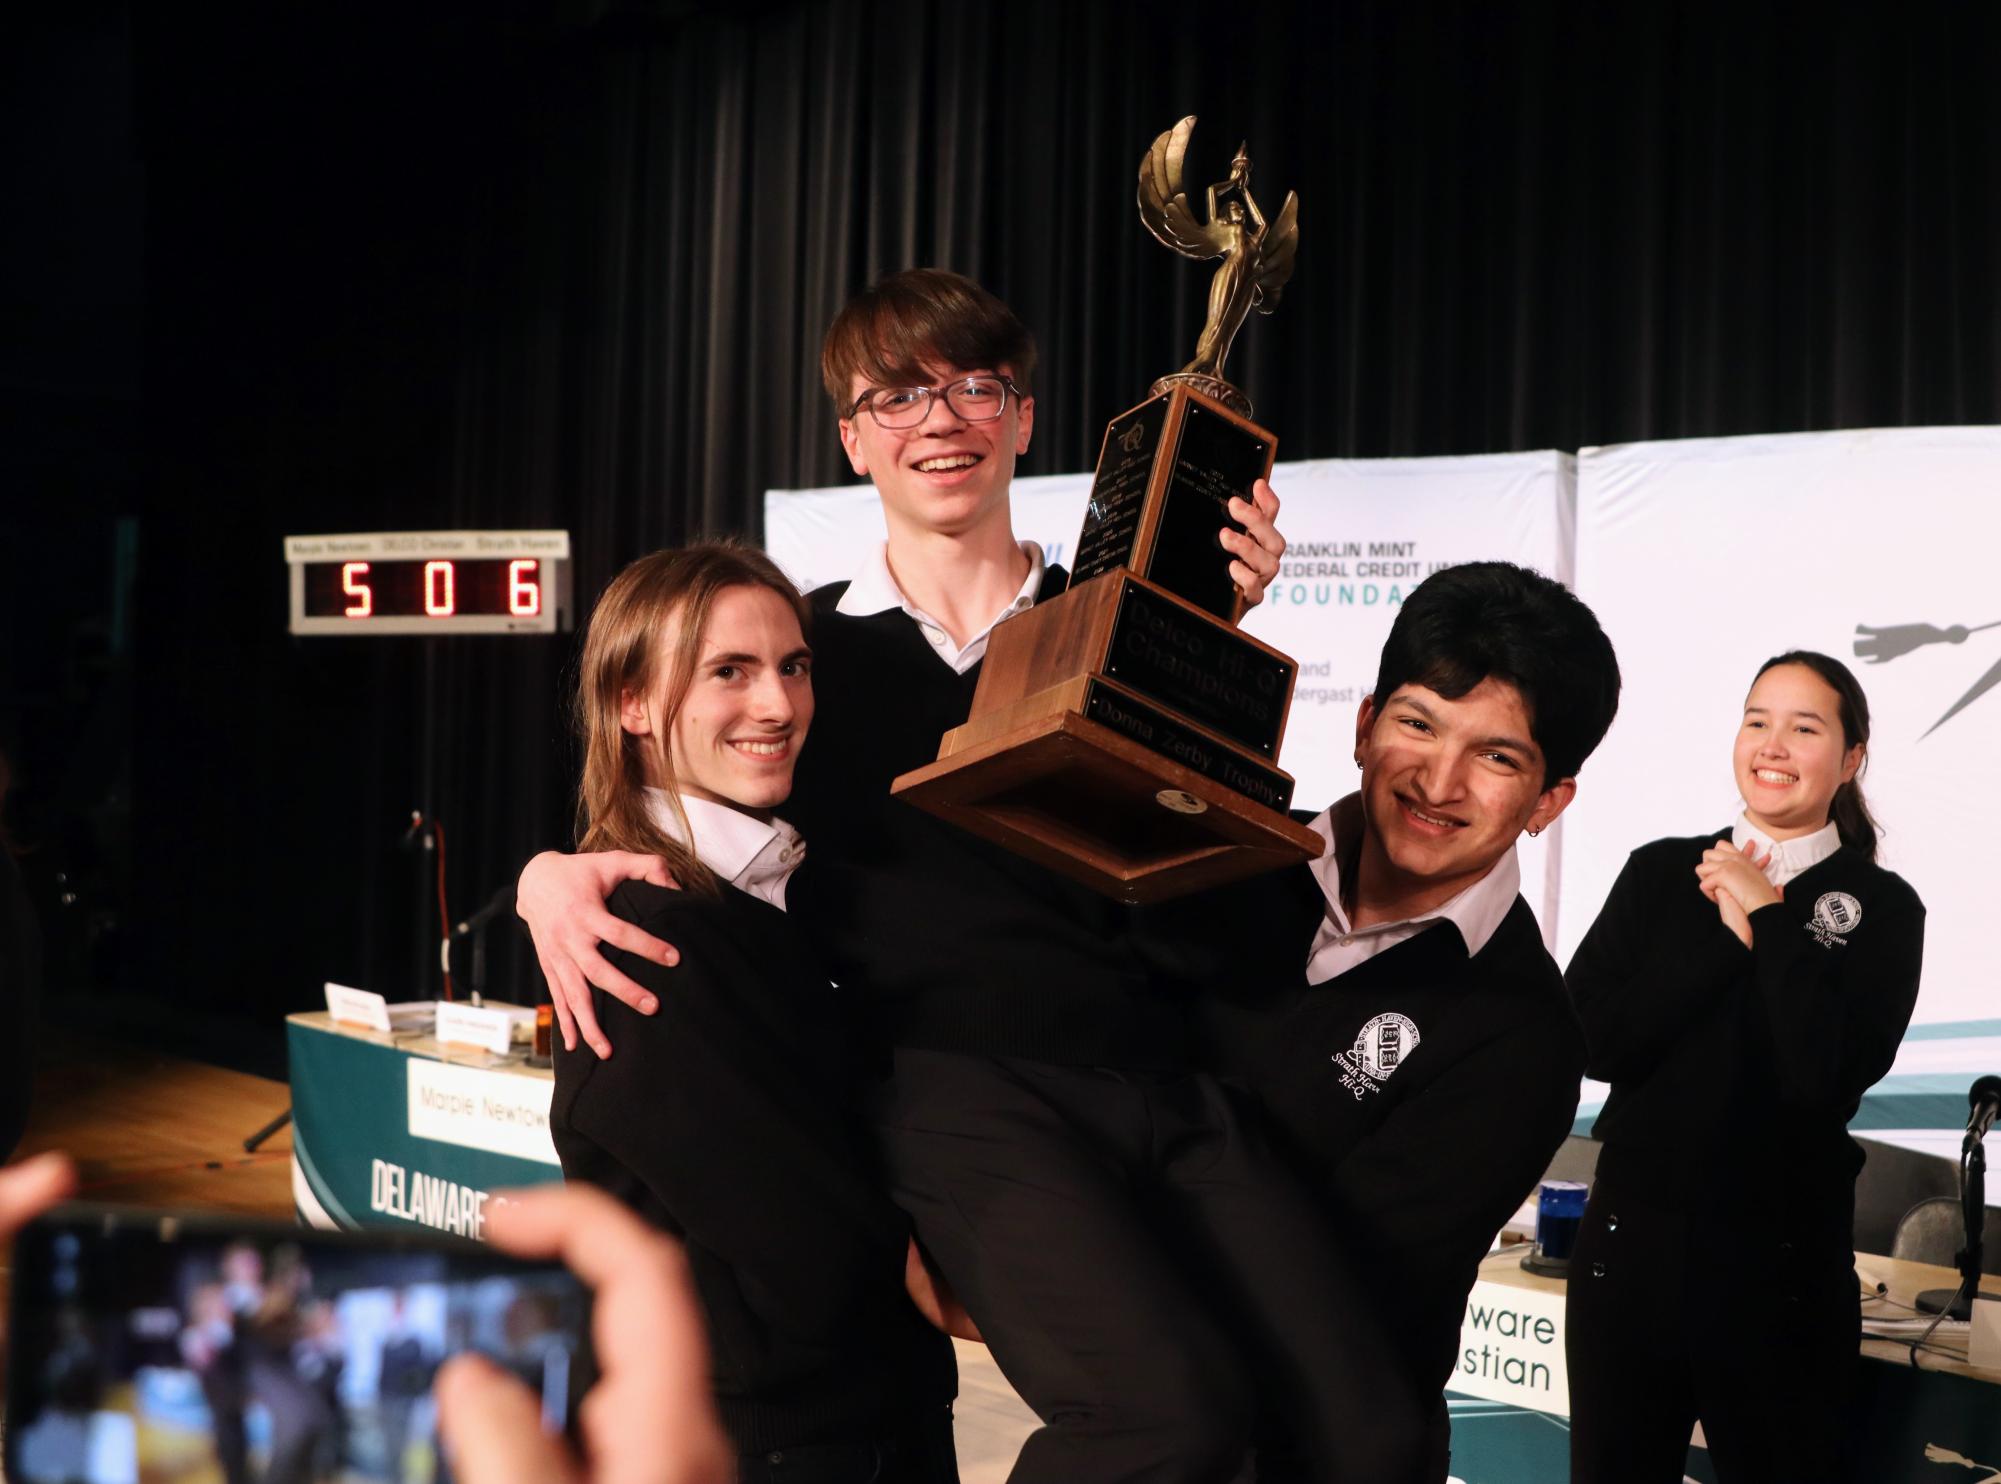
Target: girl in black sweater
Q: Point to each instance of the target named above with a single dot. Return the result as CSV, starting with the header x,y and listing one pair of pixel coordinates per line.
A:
x,y
1740,990
724,1118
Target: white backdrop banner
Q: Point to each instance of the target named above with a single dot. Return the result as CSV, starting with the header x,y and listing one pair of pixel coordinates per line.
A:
x,y
1705,557
1361,532
1702,558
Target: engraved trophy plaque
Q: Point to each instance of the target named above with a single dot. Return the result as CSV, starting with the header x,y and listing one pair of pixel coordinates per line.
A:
x,y
1124,733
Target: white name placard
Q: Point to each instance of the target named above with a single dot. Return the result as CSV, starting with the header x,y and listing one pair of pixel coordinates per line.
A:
x,y
358,1007
474,1025
1983,1344
500,1112
1511,1349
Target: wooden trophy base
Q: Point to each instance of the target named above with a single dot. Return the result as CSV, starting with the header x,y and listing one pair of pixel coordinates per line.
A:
x,y
1123,737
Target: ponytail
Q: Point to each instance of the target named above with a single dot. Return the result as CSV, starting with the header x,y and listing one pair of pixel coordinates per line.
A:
x,y
1854,823
1852,820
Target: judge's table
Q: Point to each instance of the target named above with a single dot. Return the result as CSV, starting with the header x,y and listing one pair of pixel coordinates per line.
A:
x,y
394,1129
1510,1397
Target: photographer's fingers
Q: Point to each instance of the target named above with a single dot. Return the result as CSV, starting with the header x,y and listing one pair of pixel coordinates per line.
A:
x,y
491,1426
650,1415
31,1187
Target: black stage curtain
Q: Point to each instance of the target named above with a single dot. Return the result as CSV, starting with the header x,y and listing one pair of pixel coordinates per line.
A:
x,y
568,265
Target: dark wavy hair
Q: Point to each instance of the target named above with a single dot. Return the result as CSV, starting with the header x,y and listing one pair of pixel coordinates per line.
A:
x,y
1481,619
1850,811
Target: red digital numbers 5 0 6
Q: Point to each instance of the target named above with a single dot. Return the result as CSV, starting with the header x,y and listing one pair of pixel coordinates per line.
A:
x,y
391,584
434,589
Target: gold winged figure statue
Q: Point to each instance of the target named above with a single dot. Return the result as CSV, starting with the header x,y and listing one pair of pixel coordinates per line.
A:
x,y
1257,256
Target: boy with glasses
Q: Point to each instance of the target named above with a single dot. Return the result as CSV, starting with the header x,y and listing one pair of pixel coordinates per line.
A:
x,y
1143,1272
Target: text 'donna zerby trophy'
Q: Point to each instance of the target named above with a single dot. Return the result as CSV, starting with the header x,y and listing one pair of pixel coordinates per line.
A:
x,y
1125,733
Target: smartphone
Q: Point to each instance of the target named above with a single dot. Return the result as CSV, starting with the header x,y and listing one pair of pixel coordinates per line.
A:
x,y
151,1346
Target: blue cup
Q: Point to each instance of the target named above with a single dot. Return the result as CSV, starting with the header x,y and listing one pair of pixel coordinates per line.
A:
x,y
1559,1212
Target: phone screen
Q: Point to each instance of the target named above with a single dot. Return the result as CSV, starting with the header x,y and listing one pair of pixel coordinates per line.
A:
x,y
146,1347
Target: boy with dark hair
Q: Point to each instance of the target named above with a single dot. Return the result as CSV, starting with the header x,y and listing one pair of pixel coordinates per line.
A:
x,y
1495,620
889,332
1425,1066
1142,1270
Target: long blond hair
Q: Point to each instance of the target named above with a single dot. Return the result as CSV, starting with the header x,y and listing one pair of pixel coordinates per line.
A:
x,y
652,616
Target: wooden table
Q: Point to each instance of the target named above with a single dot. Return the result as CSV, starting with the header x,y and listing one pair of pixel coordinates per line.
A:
x,y
153,1130
1905,1281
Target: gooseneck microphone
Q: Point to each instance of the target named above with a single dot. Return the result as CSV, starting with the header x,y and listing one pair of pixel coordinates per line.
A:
x,y
1983,1102
503,901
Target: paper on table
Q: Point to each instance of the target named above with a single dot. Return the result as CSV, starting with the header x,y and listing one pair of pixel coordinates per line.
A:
x,y
1904,1326
413,1015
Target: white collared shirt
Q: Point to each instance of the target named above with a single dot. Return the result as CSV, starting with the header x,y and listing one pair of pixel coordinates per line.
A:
x,y
874,589
747,852
1338,947
1789,858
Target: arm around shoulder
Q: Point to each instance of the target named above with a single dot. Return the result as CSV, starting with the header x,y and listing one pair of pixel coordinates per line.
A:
x,y
562,899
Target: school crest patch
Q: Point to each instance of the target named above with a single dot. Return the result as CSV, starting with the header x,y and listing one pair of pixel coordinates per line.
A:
x,y
1380,1048
1834,918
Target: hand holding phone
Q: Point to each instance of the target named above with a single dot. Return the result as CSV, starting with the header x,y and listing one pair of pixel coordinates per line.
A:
x,y
650,1416
248,1350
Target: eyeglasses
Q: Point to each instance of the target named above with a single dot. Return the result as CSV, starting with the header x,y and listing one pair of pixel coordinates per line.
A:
x,y
975,399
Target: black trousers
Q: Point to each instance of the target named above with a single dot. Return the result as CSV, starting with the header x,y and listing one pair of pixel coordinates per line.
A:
x,y
1145,1274
1755,1332
921,1451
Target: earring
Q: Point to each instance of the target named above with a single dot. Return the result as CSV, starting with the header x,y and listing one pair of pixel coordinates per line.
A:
x,y
1533,833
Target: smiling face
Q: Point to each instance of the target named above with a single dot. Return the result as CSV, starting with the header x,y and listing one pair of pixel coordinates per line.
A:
x,y
1791,755
1447,786
946,475
736,737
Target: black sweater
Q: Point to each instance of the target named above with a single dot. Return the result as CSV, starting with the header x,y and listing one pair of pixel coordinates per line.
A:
x,y
1420,1162
20,1001
724,1118
951,943
1736,1064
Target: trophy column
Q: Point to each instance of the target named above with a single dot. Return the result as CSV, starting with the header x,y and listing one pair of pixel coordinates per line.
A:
x,y
1125,733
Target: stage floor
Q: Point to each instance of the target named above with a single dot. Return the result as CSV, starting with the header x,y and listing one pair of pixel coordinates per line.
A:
x,y
148,1129
155,1130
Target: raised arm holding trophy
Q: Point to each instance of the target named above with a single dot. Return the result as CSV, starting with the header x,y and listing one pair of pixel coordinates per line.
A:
x,y
1125,733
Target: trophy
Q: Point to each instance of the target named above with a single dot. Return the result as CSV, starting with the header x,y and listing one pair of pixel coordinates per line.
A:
x,y
1124,733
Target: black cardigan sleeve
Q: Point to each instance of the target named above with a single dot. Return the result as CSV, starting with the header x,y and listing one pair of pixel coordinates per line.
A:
x,y
1443,1172
1838,1011
20,1002
1634,989
721,1116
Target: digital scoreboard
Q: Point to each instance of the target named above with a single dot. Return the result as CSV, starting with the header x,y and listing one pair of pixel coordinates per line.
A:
x,y
430,582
